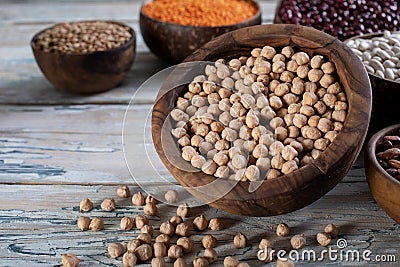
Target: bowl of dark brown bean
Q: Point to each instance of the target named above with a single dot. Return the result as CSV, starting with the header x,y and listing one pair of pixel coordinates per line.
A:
x,y
380,54
86,56
382,164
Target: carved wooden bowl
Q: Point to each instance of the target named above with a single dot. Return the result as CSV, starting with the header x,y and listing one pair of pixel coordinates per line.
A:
x,y
86,73
384,187
174,42
385,97
304,186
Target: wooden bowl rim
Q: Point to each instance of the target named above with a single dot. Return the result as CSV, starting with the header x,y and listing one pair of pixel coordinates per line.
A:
x,y
280,28
255,17
369,36
372,149
115,49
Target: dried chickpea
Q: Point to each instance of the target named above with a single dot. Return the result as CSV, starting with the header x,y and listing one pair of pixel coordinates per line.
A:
x,y
171,196
115,250
209,167
175,220
328,67
208,241
210,254
127,223
85,205
96,224
144,238
230,262
167,228
200,262
150,209
315,75
215,224
282,229
243,264
133,245
182,229
264,243
324,239
138,199
240,240
183,210
175,252
124,191
144,252
185,243
301,58
163,238
160,249
252,173
140,221
129,259
147,229
298,241
69,260
200,223
180,262
284,263
83,223
157,262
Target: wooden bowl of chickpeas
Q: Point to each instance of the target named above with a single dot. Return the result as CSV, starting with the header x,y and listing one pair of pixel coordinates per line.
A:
x,y
275,121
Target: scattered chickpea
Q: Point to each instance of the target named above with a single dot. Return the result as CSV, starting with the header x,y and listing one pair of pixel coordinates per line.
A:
x,y
182,229
85,205
163,238
140,221
160,249
115,250
144,252
175,252
240,241
324,239
243,264
215,224
210,254
180,262
147,229
282,229
298,241
133,245
69,260
157,262
150,209
124,191
167,228
144,238
127,223
284,263
230,262
171,196
138,199
183,210
200,223
264,243
175,220
129,259
83,223
208,241
185,243
96,224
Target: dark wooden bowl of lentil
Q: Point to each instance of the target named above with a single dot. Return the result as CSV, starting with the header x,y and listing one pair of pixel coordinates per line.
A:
x,y
86,73
384,187
173,42
302,187
385,97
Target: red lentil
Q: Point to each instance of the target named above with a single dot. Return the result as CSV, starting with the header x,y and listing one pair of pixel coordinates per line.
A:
x,y
201,13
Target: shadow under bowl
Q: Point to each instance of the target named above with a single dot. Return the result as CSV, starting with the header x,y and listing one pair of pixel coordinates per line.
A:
x,y
384,187
304,186
86,73
174,42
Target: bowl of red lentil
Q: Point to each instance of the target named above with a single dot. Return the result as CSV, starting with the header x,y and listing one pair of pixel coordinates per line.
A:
x,y
274,123
382,166
174,29
85,56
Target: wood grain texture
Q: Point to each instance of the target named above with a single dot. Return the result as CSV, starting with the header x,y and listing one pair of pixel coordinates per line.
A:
x,y
39,228
302,187
384,187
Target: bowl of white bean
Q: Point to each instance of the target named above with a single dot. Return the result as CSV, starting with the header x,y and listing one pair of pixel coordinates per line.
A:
x,y
380,54
273,123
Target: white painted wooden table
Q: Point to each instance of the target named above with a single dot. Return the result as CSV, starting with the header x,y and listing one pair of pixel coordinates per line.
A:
x,y
57,148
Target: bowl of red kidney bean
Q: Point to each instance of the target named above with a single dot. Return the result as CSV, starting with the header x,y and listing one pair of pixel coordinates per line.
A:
x,y
341,18
382,166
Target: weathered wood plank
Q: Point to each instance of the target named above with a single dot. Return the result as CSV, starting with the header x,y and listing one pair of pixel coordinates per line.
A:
x,y
79,144
52,210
